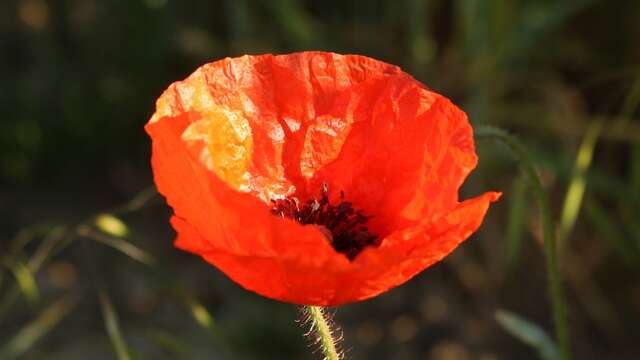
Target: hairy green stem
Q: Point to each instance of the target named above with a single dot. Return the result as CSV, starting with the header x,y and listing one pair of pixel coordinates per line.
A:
x,y
553,273
322,329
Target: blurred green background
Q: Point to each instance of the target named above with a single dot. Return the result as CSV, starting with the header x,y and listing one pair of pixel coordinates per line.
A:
x,y
78,80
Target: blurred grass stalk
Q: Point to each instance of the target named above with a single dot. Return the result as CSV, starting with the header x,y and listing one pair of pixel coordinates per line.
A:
x,y
53,242
553,272
58,237
169,342
26,281
529,333
28,335
621,244
113,327
577,184
516,224
122,245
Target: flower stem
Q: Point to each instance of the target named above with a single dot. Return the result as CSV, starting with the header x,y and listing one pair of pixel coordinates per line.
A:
x,y
323,332
555,286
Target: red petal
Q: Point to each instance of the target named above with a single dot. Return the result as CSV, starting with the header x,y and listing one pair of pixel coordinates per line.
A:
x,y
240,132
223,219
302,279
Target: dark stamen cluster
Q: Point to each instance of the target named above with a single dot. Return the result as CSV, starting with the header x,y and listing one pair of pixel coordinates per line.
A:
x,y
349,233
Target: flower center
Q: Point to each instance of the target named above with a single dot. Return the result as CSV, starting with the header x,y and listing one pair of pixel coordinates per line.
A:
x,y
344,226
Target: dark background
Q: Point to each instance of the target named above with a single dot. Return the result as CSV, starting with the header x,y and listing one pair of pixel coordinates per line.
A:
x,y
78,80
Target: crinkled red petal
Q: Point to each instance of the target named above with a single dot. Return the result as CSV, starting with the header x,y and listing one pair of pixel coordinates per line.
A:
x,y
242,131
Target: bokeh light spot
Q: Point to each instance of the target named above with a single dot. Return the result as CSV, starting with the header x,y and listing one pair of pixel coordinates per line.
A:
x,y
404,328
62,274
33,13
448,350
369,333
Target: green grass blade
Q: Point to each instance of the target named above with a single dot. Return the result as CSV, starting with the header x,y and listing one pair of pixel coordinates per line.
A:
x,y
52,243
536,19
119,244
26,281
9,298
556,290
578,182
28,234
26,337
621,244
529,333
297,25
631,102
169,342
113,328
516,223
421,45
200,314
144,198
635,170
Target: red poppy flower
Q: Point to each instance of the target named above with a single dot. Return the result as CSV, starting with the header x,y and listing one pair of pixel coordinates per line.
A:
x,y
244,147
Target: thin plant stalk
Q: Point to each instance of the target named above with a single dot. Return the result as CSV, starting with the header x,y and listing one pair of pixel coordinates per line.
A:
x,y
553,273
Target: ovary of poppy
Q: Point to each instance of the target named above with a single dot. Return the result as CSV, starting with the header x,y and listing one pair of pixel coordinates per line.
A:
x,y
242,132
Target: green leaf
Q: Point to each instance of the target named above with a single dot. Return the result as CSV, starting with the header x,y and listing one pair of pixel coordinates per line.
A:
x,y
26,337
529,333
